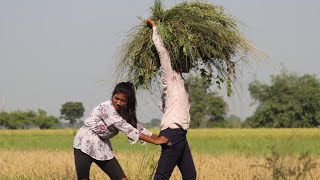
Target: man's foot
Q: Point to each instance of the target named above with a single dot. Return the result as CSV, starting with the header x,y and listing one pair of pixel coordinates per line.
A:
x,y
150,23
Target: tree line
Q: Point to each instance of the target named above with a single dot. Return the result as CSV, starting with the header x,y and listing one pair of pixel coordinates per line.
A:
x,y
27,119
70,111
289,101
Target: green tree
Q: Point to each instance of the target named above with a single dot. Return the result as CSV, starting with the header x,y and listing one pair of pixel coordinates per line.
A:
x,y
207,108
43,121
290,101
3,118
72,111
18,119
8,121
27,119
155,123
233,121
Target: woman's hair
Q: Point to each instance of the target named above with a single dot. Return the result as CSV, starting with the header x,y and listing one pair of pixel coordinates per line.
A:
x,y
129,111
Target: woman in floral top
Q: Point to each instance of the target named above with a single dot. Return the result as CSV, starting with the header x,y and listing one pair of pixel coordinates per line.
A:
x,y
92,142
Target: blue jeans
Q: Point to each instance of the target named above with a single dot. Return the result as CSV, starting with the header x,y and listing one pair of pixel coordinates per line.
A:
x,y
176,154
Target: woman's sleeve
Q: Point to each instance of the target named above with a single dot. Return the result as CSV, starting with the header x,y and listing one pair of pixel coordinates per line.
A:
x,y
144,130
132,133
113,118
98,126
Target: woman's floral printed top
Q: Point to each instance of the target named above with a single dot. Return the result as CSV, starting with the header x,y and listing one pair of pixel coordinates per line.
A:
x,y
103,123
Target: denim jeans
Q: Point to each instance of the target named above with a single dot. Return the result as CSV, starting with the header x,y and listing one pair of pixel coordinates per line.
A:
x,y
176,154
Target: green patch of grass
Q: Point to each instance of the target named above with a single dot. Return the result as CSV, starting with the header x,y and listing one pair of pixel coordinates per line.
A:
x,y
208,141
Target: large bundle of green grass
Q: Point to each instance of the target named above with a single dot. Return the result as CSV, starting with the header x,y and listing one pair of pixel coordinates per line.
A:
x,y
199,36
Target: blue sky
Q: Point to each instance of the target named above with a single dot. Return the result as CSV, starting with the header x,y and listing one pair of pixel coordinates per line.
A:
x,y
52,52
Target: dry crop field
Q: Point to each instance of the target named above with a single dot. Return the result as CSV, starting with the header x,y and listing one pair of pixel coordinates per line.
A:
x,y
218,154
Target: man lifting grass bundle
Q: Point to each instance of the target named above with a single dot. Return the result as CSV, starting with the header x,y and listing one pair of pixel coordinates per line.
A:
x,y
191,36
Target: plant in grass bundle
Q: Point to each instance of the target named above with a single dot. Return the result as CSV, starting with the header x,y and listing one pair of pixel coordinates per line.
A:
x,y
199,36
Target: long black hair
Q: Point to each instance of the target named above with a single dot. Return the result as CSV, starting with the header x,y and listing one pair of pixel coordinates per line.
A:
x,y
129,111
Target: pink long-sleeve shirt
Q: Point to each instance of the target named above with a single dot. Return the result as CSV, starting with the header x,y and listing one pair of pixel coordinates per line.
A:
x,y
175,97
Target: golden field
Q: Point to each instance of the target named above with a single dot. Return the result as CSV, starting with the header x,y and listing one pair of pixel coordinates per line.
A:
x,y
222,154
43,164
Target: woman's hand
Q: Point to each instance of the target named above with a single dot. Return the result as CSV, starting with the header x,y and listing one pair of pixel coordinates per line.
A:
x,y
161,140
154,139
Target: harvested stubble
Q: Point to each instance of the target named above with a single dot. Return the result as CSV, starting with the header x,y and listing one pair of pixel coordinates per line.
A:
x,y
198,35
40,164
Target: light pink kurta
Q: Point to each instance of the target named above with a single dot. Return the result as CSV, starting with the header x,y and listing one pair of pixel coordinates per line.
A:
x,y
175,98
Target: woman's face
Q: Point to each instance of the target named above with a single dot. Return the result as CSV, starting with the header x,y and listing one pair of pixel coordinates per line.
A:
x,y
119,100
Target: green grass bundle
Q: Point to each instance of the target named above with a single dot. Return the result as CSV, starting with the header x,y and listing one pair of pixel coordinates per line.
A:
x,y
199,36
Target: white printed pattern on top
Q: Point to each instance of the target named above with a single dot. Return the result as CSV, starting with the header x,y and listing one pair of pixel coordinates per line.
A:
x,y
103,123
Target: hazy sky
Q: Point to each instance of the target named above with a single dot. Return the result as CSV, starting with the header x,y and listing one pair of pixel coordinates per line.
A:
x,y
54,51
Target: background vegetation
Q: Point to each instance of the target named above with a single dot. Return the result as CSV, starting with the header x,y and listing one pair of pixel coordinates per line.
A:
x,y
289,101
